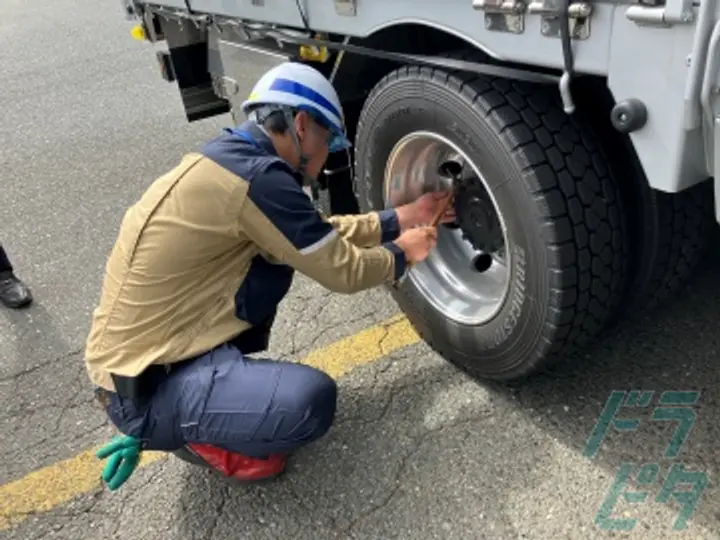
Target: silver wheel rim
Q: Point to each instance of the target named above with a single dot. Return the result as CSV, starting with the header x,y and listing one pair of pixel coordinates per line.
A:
x,y
449,278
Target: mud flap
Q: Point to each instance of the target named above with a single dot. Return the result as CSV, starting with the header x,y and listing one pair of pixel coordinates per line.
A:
x,y
188,50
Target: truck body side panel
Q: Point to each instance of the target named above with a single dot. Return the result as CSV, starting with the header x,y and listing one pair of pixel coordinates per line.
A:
x,y
457,17
651,63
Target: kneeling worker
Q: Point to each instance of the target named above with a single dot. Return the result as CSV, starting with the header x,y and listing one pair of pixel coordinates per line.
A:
x,y
196,274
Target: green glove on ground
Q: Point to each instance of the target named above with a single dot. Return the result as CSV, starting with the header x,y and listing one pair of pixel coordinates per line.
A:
x,y
124,455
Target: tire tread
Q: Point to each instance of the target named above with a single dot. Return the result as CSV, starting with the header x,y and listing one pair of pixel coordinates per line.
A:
x,y
684,223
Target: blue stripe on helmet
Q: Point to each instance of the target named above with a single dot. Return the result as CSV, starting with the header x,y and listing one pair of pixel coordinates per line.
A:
x,y
292,87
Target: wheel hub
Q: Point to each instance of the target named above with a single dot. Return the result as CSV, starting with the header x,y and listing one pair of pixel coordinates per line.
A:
x,y
476,216
463,277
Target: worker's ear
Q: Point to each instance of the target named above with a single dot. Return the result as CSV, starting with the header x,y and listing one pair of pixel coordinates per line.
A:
x,y
301,124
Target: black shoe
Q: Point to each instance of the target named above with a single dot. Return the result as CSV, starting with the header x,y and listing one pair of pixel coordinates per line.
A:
x,y
13,292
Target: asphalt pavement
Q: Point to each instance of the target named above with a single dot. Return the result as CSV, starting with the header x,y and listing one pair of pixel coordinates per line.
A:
x,y
419,450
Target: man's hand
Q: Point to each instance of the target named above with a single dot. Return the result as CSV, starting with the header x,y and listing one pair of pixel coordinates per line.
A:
x,y
423,210
417,243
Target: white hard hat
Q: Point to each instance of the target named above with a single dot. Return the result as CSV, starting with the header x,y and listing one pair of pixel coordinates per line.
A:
x,y
301,87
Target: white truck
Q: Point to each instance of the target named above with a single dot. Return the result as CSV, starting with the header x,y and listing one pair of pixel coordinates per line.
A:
x,y
581,138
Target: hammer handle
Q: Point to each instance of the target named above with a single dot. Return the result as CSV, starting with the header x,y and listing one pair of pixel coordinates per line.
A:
x,y
441,211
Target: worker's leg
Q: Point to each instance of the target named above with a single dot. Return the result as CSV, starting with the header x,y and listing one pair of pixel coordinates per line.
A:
x,y
255,408
13,292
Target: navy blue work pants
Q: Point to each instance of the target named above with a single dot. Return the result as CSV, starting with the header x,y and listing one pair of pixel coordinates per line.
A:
x,y
252,407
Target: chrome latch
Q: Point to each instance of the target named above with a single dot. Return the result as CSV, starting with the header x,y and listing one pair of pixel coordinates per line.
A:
x,y
502,15
665,14
550,10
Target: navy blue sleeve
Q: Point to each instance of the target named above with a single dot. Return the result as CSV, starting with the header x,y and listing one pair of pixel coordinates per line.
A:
x,y
389,224
400,259
279,196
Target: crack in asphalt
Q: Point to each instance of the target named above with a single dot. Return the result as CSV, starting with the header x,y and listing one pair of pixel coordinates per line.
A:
x,y
403,463
393,391
142,482
218,512
352,320
89,507
51,454
70,405
386,334
30,410
304,302
41,365
333,522
312,307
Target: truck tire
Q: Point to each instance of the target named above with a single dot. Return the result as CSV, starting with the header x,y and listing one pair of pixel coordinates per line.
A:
x,y
563,249
669,232
675,233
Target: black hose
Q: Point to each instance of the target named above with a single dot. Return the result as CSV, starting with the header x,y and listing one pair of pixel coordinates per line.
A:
x,y
303,15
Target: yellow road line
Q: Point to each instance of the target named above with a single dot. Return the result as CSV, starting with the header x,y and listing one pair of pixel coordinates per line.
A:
x,y
54,485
